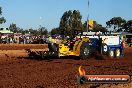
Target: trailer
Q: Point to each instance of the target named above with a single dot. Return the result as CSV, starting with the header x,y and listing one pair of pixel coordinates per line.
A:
x,y
113,46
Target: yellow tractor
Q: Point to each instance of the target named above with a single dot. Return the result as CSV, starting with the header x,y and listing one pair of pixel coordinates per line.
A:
x,y
81,47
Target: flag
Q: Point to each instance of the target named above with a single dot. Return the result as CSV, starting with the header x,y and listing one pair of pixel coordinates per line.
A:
x,y
90,24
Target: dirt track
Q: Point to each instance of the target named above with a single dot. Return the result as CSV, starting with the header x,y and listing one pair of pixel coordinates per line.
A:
x,y
17,71
22,46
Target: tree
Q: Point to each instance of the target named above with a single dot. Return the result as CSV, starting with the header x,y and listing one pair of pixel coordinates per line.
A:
x,y
35,32
2,19
70,22
55,31
116,23
84,25
31,31
0,11
98,27
13,28
43,31
128,26
76,20
25,31
65,23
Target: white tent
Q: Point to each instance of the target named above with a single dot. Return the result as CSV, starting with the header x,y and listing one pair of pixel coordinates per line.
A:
x,y
5,31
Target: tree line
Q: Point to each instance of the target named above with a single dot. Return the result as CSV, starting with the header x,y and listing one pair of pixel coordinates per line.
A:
x,y
119,24
40,31
71,21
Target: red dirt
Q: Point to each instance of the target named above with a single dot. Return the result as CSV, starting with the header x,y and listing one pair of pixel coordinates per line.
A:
x,y
19,72
22,46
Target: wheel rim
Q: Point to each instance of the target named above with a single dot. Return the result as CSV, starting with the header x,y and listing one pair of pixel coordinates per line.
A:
x,y
117,52
111,53
105,48
86,51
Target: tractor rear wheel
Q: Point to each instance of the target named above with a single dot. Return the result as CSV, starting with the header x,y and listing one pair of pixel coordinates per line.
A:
x,y
85,51
53,47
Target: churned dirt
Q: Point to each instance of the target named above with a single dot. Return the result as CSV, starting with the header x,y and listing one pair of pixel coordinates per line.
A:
x,y
22,46
19,71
